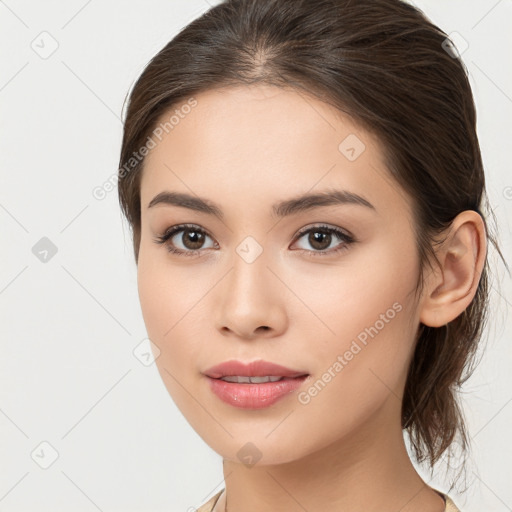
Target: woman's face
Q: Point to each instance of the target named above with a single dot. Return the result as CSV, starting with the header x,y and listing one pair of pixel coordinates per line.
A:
x,y
276,283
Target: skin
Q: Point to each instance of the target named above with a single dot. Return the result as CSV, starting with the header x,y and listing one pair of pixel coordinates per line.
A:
x,y
244,149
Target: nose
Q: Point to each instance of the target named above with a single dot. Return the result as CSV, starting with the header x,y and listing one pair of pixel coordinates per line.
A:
x,y
250,301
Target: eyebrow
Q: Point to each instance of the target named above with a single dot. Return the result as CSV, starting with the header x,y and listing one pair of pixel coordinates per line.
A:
x,y
299,204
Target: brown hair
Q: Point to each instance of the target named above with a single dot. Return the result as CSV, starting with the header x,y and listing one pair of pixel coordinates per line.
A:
x,y
387,66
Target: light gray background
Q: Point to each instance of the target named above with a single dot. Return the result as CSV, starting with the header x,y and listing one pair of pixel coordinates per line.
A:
x,y
70,325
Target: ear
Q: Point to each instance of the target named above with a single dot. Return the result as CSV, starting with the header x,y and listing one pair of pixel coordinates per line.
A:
x,y
450,288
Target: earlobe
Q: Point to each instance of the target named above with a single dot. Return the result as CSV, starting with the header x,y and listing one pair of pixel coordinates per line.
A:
x,y
450,289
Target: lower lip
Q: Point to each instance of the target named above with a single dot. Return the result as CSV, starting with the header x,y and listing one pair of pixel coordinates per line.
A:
x,y
254,396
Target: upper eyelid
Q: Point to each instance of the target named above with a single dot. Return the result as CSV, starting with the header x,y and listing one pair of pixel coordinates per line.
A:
x,y
305,229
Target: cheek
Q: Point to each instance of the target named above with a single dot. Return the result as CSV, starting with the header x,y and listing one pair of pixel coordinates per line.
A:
x,y
354,295
362,371
175,306
151,285
169,312
165,300
371,318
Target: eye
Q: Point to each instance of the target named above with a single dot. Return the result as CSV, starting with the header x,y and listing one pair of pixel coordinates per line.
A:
x,y
191,239
321,238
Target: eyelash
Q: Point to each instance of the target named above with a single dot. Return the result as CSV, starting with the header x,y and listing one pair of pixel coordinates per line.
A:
x,y
344,237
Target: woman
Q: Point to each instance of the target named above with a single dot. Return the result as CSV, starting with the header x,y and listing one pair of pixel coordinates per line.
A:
x,y
305,189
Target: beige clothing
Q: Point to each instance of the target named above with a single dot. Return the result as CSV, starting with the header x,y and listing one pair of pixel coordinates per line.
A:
x,y
208,506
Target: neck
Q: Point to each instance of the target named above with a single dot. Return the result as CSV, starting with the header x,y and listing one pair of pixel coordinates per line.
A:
x,y
370,470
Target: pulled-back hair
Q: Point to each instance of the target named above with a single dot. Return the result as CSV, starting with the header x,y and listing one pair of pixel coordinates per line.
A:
x,y
398,76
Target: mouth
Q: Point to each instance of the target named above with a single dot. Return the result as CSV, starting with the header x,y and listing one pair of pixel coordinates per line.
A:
x,y
253,385
242,379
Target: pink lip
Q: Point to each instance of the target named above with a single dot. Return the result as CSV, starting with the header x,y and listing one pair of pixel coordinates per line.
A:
x,y
254,369
249,395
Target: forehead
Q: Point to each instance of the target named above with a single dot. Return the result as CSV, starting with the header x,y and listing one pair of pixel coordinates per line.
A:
x,y
261,141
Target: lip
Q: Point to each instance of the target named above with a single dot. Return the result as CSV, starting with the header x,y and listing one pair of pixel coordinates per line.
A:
x,y
252,395
253,369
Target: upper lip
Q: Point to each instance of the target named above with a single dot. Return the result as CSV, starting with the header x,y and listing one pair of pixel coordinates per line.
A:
x,y
253,369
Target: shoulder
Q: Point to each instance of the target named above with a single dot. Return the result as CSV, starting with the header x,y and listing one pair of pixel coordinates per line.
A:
x,y
208,506
450,505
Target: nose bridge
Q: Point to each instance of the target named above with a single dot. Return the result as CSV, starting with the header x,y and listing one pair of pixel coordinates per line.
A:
x,y
249,280
249,297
